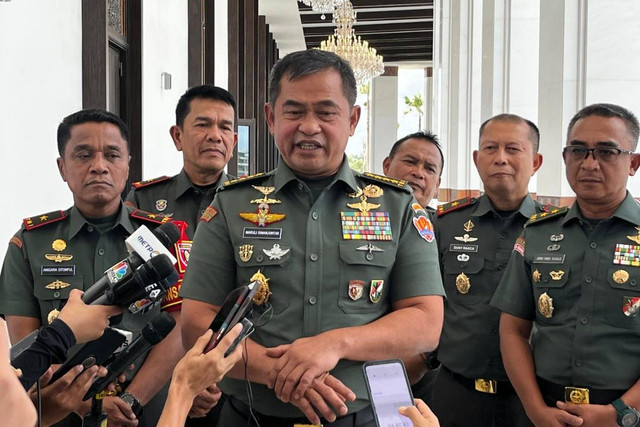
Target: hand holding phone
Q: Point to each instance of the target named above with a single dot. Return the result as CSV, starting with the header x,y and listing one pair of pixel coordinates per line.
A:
x,y
389,389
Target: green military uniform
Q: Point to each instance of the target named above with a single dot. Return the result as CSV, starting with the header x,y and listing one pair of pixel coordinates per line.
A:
x,y
176,197
337,262
59,251
578,281
474,244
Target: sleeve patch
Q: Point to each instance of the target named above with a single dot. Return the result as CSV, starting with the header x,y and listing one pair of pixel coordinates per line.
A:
x,y
208,214
424,227
171,301
16,241
519,245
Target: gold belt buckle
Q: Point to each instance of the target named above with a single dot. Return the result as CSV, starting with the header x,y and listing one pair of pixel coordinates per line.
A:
x,y
486,386
576,395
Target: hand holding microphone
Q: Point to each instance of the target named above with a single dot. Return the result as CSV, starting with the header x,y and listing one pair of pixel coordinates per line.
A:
x,y
85,321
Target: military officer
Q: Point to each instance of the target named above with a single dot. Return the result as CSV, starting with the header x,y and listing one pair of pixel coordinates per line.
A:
x,y
205,134
417,158
349,263
574,274
58,251
475,237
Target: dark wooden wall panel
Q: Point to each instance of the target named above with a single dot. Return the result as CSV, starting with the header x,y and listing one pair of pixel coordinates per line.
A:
x,y
94,54
194,42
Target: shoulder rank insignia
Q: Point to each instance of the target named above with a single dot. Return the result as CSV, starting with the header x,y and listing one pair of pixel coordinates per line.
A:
x,y
549,207
243,179
150,217
539,217
148,182
398,183
455,205
40,220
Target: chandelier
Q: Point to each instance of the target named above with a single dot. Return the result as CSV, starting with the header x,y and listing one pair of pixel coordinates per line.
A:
x,y
322,6
364,60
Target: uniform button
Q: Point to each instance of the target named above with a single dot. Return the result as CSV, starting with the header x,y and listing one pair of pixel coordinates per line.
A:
x,y
632,282
463,264
300,186
90,228
503,235
100,251
578,363
588,279
259,258
581,222
545,279
369,256
312,300
500,267
201,213
314,215
494,331
584,320
314,257
56,294
593,245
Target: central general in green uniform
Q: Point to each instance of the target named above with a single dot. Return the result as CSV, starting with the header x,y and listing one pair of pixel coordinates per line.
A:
x,y
350,259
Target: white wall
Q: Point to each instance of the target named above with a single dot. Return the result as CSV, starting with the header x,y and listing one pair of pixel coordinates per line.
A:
x,y
164,49
40,83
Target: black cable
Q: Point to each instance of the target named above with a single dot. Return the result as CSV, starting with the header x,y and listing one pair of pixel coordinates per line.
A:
x,y
245,359
39,403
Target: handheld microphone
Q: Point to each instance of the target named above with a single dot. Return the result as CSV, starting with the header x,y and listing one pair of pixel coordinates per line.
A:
x,y
168,234
138,284
154,332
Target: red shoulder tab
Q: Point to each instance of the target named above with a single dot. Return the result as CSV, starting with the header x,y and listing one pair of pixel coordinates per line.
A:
x,y
148,182
150,217
44,219
455,205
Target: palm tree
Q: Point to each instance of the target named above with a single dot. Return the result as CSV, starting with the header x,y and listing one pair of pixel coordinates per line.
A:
x,y
414,104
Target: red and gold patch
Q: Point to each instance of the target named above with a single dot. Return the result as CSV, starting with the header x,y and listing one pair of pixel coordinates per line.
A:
x,y
16,241
208,214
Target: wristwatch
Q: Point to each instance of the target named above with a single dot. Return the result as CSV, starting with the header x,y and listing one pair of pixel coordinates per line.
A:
x,y
627,416
133,401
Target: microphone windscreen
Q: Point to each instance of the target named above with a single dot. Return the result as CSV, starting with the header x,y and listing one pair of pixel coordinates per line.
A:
x,y
168,234
156,330
158,267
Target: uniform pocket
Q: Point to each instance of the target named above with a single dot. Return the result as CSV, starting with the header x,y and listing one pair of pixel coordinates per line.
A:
x,y
53,291
264,256
462,281
364,276
619,301
550,293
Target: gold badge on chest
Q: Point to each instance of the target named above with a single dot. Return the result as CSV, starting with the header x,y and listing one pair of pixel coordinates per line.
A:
x,y
263,216
58,245
463,284
263,293
545,305
370,191
245,252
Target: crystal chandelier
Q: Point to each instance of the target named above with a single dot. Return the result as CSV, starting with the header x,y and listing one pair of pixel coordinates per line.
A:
x,y
364,60
322,6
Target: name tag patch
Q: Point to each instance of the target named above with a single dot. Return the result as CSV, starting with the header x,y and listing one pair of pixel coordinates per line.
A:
x,y
58,270
454,247
262,233
549,259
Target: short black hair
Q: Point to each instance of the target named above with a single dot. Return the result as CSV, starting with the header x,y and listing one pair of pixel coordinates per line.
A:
x,y
534,132
211,92
609,110
306,62
425,135
89,116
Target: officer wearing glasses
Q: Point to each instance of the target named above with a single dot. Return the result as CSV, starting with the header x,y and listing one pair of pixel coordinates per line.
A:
x,y
575,274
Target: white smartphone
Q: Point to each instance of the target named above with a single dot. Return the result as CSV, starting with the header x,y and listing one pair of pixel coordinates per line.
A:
x,y
389,389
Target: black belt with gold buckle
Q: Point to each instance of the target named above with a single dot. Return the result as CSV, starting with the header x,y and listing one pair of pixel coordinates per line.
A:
x,y
482,385
553,392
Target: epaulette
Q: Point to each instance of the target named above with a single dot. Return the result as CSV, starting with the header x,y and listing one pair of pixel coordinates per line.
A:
x,y
549,207
150,217
539,217
243,179
148,182
445,208
398,183
44,219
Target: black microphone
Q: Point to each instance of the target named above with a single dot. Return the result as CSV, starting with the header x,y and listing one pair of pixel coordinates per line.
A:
x,y
154,332
167,233
135,285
